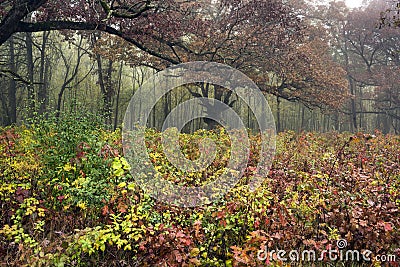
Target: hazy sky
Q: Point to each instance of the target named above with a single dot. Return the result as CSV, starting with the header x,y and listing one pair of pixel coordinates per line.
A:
x,y
353,3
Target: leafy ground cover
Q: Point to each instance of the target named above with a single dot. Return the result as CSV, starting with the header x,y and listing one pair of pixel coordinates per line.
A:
x,y
68,199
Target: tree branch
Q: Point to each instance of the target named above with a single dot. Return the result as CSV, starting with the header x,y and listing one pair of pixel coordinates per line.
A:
x,y
17,13
72,25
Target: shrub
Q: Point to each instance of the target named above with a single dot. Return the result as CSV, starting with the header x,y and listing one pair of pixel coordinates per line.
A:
x,y
68,199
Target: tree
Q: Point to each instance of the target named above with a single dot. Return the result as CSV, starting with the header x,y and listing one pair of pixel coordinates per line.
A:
x,y
368,54
267,40
391,16
135,21
71,72
278,50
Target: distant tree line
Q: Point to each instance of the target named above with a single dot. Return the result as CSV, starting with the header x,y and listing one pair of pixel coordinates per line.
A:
x,y
321,67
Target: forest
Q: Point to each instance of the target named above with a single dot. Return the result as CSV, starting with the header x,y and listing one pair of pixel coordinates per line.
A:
x,y
75,168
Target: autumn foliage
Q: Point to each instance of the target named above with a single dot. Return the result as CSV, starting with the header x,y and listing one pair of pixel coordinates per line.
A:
x,y
68,199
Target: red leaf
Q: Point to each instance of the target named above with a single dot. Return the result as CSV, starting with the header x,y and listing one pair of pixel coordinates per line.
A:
x,y
104,210
387,226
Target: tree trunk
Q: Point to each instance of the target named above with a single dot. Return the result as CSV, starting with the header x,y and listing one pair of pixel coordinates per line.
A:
x,y
9,23
118,94
353,104
303,120
12,89
100,76
109,93
30,68
68,80
42,93
278,114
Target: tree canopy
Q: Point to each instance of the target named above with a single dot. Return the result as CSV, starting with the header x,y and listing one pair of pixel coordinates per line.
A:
x,y
268,40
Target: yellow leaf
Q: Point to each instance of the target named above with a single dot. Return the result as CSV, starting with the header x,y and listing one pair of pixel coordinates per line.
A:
x,y
194,252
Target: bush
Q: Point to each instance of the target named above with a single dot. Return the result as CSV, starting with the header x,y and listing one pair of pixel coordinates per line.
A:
x,y
68,199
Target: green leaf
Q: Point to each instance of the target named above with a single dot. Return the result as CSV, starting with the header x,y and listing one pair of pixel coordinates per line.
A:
x,y
119,172
116,164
